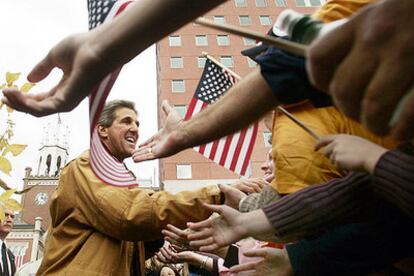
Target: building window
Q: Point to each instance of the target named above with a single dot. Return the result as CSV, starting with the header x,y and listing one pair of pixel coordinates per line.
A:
x,y
265,20
310,3
245,20
201,61
201,40
261,3
176,62
184,171
223,40
174,40
249,41
267,139
219,19
251,62
227,61
240,3
181,109
281,3
178,86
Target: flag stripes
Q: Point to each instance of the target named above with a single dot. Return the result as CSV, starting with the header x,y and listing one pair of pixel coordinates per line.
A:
x,y
233,151
105,166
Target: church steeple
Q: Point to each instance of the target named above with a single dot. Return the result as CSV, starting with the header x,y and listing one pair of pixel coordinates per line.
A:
x,y
54,150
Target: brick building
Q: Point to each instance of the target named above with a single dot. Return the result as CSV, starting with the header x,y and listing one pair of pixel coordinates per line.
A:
x,y
180,65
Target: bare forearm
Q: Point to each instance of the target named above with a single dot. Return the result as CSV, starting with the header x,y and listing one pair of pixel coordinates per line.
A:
x,y
244,104
142,25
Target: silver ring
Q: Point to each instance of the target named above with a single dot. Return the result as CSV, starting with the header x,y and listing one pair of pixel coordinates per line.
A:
x,y
150,150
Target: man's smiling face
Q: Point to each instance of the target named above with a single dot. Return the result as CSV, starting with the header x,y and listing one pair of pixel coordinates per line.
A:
x,y
121,137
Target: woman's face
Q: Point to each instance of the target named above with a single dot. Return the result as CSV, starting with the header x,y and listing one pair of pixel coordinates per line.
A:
x,y
166,271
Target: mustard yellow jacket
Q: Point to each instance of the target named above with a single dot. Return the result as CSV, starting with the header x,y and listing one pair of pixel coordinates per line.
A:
x,y
93,223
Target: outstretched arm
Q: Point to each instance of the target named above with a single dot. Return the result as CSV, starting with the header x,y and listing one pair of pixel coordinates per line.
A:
x,y
87,58
237,109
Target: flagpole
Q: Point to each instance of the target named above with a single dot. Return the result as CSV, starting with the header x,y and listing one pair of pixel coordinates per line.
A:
x,y
286,45
281,109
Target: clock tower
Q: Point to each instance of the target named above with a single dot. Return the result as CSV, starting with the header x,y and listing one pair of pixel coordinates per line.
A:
x,y
52,157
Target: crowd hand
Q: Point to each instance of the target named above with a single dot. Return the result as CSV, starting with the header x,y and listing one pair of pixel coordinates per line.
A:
x,y
166,142
250,185
367,64
214,233
80,74
168,254
352,153
273,262
177,237
232,196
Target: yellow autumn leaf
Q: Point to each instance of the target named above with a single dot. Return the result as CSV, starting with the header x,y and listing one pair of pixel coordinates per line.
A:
x,y
9,109
15,149
12,204
11,77
3,143
5,165
2,216
6,195
26,87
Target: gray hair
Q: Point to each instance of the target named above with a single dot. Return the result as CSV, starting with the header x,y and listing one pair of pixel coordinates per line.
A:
x,y
108,112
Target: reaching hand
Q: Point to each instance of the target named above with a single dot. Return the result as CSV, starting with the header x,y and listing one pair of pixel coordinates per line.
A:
x,y
367,64
250,185
167,254
232,196
214,233
79,63
351,153
177,237
166,142
274,262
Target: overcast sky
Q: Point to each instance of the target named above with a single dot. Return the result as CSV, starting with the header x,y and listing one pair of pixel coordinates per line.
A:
x,y
28,30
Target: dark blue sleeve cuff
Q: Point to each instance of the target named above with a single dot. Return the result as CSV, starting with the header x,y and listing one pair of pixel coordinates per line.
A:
x,y
286,75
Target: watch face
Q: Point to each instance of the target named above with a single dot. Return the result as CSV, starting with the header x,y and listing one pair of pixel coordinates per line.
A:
x,y
41,198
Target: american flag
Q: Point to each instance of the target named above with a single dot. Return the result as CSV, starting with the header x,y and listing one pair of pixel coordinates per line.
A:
x,y
105,166
233,151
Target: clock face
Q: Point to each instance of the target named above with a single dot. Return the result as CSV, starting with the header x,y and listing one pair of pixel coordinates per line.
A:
x,y
41,198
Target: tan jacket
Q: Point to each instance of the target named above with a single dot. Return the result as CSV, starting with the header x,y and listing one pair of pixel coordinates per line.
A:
x,y
92,222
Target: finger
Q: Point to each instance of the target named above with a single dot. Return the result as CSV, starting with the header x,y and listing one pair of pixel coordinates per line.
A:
x,y
166,107
148,141
262,184
262,252
404,127
171,236
243,267
202,242
255,187
200,234
177,231
323,141
346,89
328,151
209,248
383,95
161,257
21,102
334,45
41,70
144,153
245,188
205,223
